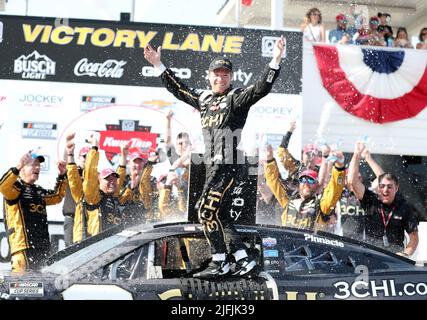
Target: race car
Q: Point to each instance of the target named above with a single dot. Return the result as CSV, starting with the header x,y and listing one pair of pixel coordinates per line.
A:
x,y
157,262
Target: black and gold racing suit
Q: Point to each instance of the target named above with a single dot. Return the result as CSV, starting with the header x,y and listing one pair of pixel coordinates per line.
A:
x,y
26,218
102,210
223,117
305,214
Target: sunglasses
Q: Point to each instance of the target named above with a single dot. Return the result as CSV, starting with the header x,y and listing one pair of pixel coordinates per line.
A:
x,y
308,180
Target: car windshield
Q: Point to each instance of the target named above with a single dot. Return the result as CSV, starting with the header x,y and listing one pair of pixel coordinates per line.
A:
x,y
79,258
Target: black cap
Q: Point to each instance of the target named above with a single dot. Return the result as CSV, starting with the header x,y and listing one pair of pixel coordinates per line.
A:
x,y
221,62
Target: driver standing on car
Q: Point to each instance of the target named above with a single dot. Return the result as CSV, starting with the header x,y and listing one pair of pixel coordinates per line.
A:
x,y
223,112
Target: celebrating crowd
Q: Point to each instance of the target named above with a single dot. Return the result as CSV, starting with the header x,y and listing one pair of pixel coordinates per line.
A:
x,y
376,32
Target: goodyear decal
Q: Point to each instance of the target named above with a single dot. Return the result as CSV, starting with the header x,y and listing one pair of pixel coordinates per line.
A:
x,y
109,37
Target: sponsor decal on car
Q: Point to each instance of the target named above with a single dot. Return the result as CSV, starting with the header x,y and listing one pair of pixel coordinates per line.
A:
x,y
40,130
269,242
312,238
271,253
34,66
26,289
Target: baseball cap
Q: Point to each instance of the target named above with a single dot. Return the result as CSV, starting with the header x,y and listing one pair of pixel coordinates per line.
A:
x,y
374,20
136,155
221,62
84,151
309,173
310,147
340,17
37,156
107,172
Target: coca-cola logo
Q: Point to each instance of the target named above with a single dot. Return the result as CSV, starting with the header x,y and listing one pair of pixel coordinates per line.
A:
x,y
111,68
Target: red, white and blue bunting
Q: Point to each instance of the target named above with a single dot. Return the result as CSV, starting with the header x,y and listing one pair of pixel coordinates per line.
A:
x,y
375,84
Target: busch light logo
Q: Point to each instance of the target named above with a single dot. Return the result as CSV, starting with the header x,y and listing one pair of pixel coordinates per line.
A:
x,y
34,66
109,69
267,47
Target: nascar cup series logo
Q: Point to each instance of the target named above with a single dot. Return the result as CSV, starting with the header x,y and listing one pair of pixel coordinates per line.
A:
x,y
34,66
109,69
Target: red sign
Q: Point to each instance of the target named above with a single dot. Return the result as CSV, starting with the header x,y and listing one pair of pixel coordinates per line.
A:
x,y
143,141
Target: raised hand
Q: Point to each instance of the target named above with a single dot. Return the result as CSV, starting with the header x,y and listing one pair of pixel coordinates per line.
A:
x,y
339,156
292,126
359,147
169,115
279,47
153,56
70,146
124,147
25,159
94,139
269,152
62,167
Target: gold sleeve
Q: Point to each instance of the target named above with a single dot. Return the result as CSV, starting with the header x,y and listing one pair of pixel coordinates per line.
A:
x,y
75,182
287,160
121,171
145,186
90,181
271,172
7,184
55,196
332,192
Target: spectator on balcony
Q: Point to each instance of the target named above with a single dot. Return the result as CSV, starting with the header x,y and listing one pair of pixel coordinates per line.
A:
x,y
402,40
371,37
343,34
385,19
423,39
312,26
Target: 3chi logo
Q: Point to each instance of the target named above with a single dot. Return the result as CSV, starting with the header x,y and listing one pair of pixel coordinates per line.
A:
x,y
34,66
